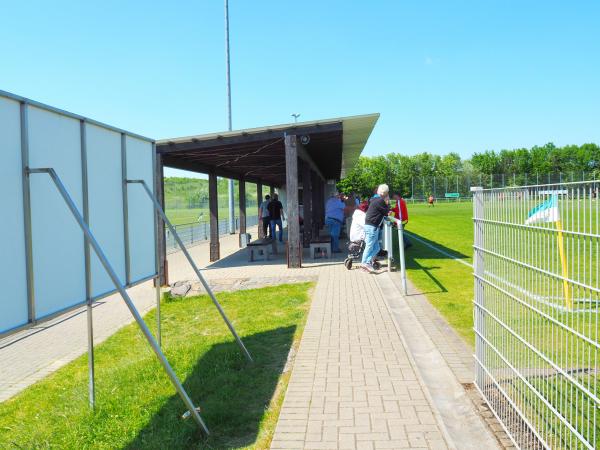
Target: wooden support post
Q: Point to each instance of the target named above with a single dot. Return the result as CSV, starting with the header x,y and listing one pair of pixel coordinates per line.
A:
x,y
215,249
291,189
259,200
271,190
307,204
162,243
242,203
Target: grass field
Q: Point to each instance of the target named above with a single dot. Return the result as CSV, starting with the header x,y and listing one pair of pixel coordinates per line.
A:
x,y
137,407
191,215
447,283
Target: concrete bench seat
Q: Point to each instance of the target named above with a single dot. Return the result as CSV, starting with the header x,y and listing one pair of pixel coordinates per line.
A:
x,y
261,247
320,244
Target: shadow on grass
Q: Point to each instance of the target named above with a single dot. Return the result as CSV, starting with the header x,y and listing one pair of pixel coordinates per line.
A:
x,y
233,395
420,251
411,263
444,253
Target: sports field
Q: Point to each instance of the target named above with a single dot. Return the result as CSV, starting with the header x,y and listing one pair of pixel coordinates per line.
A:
x,y
447,283
180,216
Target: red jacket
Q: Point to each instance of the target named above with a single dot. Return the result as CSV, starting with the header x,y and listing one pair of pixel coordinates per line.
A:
x,y
402,209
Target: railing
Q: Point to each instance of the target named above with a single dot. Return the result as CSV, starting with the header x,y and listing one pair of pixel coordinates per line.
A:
x,y
537,298
196,232
392,224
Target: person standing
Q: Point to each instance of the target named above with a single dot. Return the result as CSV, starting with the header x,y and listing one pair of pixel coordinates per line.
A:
x,y
276,215
430,200
378,209
265,216
401,213
350,206
334,219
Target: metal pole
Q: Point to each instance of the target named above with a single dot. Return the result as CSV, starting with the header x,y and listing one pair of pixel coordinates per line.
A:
x,y
158,297
388,244
228,65
157,231
446,188
87,265
401,253
196,270
125,209
457,185
115,279
479,270
231,207
27,212
229,122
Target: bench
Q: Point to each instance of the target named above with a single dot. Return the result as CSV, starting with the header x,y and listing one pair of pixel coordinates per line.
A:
x,y
321,243
261,247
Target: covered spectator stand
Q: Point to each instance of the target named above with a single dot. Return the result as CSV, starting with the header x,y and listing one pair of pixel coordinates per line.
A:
x,y
302,160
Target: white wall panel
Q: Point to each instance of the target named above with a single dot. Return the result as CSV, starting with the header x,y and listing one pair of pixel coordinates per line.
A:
x,y
58,258
58,265
141,214
13,296
105,204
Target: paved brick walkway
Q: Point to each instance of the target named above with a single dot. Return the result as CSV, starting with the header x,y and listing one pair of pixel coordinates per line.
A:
x,y
353,385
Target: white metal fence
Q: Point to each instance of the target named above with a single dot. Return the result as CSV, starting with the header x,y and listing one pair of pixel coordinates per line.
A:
x,y
537,272
458,187
196,232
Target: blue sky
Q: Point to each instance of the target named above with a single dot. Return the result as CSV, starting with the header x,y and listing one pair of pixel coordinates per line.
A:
x,y
460,76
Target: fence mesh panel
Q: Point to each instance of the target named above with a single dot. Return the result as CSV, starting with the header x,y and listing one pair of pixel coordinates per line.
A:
x,y
444,188
196,232
537,272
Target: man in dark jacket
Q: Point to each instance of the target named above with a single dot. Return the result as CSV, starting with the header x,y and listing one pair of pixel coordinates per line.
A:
x,y
378,209
276,213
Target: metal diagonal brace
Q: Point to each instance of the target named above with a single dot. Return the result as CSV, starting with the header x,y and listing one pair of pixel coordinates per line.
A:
x,y
115,279
193,264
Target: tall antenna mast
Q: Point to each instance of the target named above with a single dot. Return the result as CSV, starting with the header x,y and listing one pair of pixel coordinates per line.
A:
x,y
228,76
229,124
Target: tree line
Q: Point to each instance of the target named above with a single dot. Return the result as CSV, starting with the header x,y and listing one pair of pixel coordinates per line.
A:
x,y
398,170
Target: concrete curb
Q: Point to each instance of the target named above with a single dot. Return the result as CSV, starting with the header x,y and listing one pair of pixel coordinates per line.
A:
x,y
462,426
